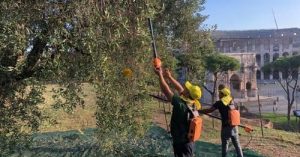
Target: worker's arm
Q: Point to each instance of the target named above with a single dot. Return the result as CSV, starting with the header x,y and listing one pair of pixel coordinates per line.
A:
x,y
177,85
163,84
209,110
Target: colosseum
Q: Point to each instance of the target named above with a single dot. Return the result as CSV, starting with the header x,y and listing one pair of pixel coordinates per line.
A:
x,y
268,45
254,49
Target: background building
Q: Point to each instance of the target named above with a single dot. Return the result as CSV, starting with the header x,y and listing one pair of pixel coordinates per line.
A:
x,y
267,45
242,82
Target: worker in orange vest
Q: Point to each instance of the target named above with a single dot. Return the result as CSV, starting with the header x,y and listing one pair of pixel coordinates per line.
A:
x,y
188,94
228,131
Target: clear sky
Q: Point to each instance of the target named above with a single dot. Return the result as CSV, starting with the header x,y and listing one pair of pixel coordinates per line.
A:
x,y
252,14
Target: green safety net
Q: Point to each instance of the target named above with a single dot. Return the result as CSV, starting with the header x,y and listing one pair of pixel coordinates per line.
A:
x,y
157,142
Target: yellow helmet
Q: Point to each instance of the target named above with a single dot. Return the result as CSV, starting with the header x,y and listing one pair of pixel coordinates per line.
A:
x,y
195,91
227,96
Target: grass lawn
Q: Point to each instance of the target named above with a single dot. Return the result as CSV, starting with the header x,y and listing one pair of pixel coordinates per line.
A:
x,y
79,119
271,145
280,121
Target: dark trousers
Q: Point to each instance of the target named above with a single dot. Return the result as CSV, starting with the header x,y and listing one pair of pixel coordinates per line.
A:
x,y
184,149
228,133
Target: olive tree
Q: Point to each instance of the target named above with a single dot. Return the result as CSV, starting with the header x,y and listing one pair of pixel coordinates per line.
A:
x,y
69,43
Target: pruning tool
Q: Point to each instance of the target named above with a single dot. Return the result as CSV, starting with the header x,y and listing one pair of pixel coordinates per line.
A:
x,y
156,61
247,128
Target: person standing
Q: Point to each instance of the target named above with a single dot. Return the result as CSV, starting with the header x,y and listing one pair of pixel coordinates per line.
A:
x,y
228,131
187,95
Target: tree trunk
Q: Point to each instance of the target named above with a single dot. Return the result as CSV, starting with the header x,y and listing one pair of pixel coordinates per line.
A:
x,y
289,114
214,88
213,94
289,101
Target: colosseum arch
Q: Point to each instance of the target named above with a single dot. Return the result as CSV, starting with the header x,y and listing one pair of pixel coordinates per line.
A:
x,y
285,54
248,85
275,56
266,58
249,89
258,74
258,59
235,85
235,82
267,75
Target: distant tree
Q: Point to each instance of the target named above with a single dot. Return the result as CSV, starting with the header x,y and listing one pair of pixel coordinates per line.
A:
x,y
217,64
289,66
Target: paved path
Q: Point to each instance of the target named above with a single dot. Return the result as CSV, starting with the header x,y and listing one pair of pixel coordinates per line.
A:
x,y
268,94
